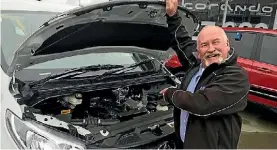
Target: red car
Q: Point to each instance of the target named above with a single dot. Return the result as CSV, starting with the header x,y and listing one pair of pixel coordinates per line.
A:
x,y
257,49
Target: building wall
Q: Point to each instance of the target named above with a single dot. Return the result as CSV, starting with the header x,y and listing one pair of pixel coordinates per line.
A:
x,y
240,13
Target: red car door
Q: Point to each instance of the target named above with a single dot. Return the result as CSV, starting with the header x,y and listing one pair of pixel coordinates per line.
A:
x,y
264,80
245,48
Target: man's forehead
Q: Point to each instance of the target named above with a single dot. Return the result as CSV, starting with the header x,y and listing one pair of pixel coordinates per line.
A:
x,y
211,30
208,39
211,36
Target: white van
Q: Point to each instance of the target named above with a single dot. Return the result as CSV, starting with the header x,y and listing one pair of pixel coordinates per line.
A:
x,y
19,19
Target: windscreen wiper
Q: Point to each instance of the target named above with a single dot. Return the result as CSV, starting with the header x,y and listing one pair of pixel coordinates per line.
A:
x,y
74,72
77,71
125,69
133,66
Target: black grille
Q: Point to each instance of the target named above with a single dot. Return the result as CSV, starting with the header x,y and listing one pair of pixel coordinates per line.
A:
x,y
126,139
153,145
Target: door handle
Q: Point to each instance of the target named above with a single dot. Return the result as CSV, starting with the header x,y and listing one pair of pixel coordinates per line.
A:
x,y
264,69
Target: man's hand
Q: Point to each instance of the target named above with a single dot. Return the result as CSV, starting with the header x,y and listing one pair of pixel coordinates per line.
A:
x,y
163,91
167,93
171,7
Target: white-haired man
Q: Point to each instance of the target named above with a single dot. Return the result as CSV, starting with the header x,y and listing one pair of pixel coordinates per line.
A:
x,y
213,91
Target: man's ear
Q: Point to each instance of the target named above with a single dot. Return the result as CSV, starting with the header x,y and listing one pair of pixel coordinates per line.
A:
x,y
228,44
196,55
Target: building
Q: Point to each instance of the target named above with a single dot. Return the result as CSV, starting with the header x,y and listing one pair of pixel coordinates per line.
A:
x,y
240,13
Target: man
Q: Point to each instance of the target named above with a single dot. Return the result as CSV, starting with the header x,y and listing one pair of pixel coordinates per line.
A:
x,y
213,90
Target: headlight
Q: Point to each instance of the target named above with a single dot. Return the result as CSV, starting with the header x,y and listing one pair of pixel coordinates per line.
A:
x,y
28,135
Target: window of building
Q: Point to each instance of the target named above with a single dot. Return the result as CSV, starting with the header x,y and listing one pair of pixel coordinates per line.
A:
x,y
244,46
268,50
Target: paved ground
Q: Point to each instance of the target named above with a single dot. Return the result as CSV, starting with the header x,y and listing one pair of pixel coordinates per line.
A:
x,y
259,129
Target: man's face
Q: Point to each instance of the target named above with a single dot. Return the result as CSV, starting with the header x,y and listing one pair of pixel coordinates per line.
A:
x,y
213,46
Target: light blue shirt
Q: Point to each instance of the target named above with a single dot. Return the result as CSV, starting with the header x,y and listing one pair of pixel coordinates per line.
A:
x,y
184,114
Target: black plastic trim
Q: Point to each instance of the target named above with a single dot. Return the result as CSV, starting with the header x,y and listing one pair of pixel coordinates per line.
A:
x,y
270,95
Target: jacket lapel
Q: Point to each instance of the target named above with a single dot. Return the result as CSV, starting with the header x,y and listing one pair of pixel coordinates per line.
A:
x,y
188,77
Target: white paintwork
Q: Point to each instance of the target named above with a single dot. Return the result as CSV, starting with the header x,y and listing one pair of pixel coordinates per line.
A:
x,y
31,5
7,101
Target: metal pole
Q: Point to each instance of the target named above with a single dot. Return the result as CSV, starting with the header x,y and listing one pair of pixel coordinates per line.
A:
x,y
225,13
275,21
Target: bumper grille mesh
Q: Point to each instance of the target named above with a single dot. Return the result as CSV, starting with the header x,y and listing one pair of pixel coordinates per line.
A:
x,y
126,139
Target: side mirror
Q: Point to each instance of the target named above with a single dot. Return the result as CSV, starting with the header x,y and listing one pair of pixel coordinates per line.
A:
x,y
238,36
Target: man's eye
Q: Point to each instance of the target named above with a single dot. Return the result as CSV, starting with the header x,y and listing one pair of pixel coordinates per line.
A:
x,y
204,45
215,42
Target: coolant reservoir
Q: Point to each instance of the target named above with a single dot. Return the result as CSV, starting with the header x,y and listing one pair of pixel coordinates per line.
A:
x,y
161,108
74,100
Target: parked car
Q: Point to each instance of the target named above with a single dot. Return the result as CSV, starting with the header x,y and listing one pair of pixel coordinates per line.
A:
x,y
87,78
257,49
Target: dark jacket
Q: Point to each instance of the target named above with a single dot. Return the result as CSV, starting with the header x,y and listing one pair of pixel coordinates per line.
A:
x,y
219,96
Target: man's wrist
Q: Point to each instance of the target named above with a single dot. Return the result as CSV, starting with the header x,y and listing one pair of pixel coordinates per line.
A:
x,y
168,94
176,14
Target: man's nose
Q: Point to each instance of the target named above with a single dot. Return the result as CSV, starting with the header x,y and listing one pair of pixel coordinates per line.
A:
x,y
211,48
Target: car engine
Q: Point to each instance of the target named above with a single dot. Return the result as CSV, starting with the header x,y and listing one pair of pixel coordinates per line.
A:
x,y
105,107
111,114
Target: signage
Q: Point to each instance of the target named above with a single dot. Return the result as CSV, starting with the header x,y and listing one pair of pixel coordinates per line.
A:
x,y
252,8
268,10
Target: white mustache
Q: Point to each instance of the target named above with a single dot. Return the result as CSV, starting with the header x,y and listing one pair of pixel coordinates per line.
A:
x,y
210,54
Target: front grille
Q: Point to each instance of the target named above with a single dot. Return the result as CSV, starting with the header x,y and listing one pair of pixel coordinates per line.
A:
x,y
153,145
157,144
127,139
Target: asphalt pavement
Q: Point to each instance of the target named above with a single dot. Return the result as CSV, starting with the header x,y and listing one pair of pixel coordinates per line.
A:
x,y
259,130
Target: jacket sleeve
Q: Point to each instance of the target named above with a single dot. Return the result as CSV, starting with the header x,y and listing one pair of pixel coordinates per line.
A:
x,y
227,94
181,42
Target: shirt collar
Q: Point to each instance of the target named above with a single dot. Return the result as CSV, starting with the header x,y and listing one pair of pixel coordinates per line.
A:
x,y
201,68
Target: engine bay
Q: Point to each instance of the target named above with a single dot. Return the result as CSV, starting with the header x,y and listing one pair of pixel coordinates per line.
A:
x,y
122,115
106,107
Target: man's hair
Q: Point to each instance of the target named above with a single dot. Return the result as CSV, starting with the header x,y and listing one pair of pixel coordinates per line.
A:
x,y
215,27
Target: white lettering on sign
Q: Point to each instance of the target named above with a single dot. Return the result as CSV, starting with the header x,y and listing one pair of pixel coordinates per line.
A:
x,y
222,7
252,8
188,5
200,6
239,7
267,9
